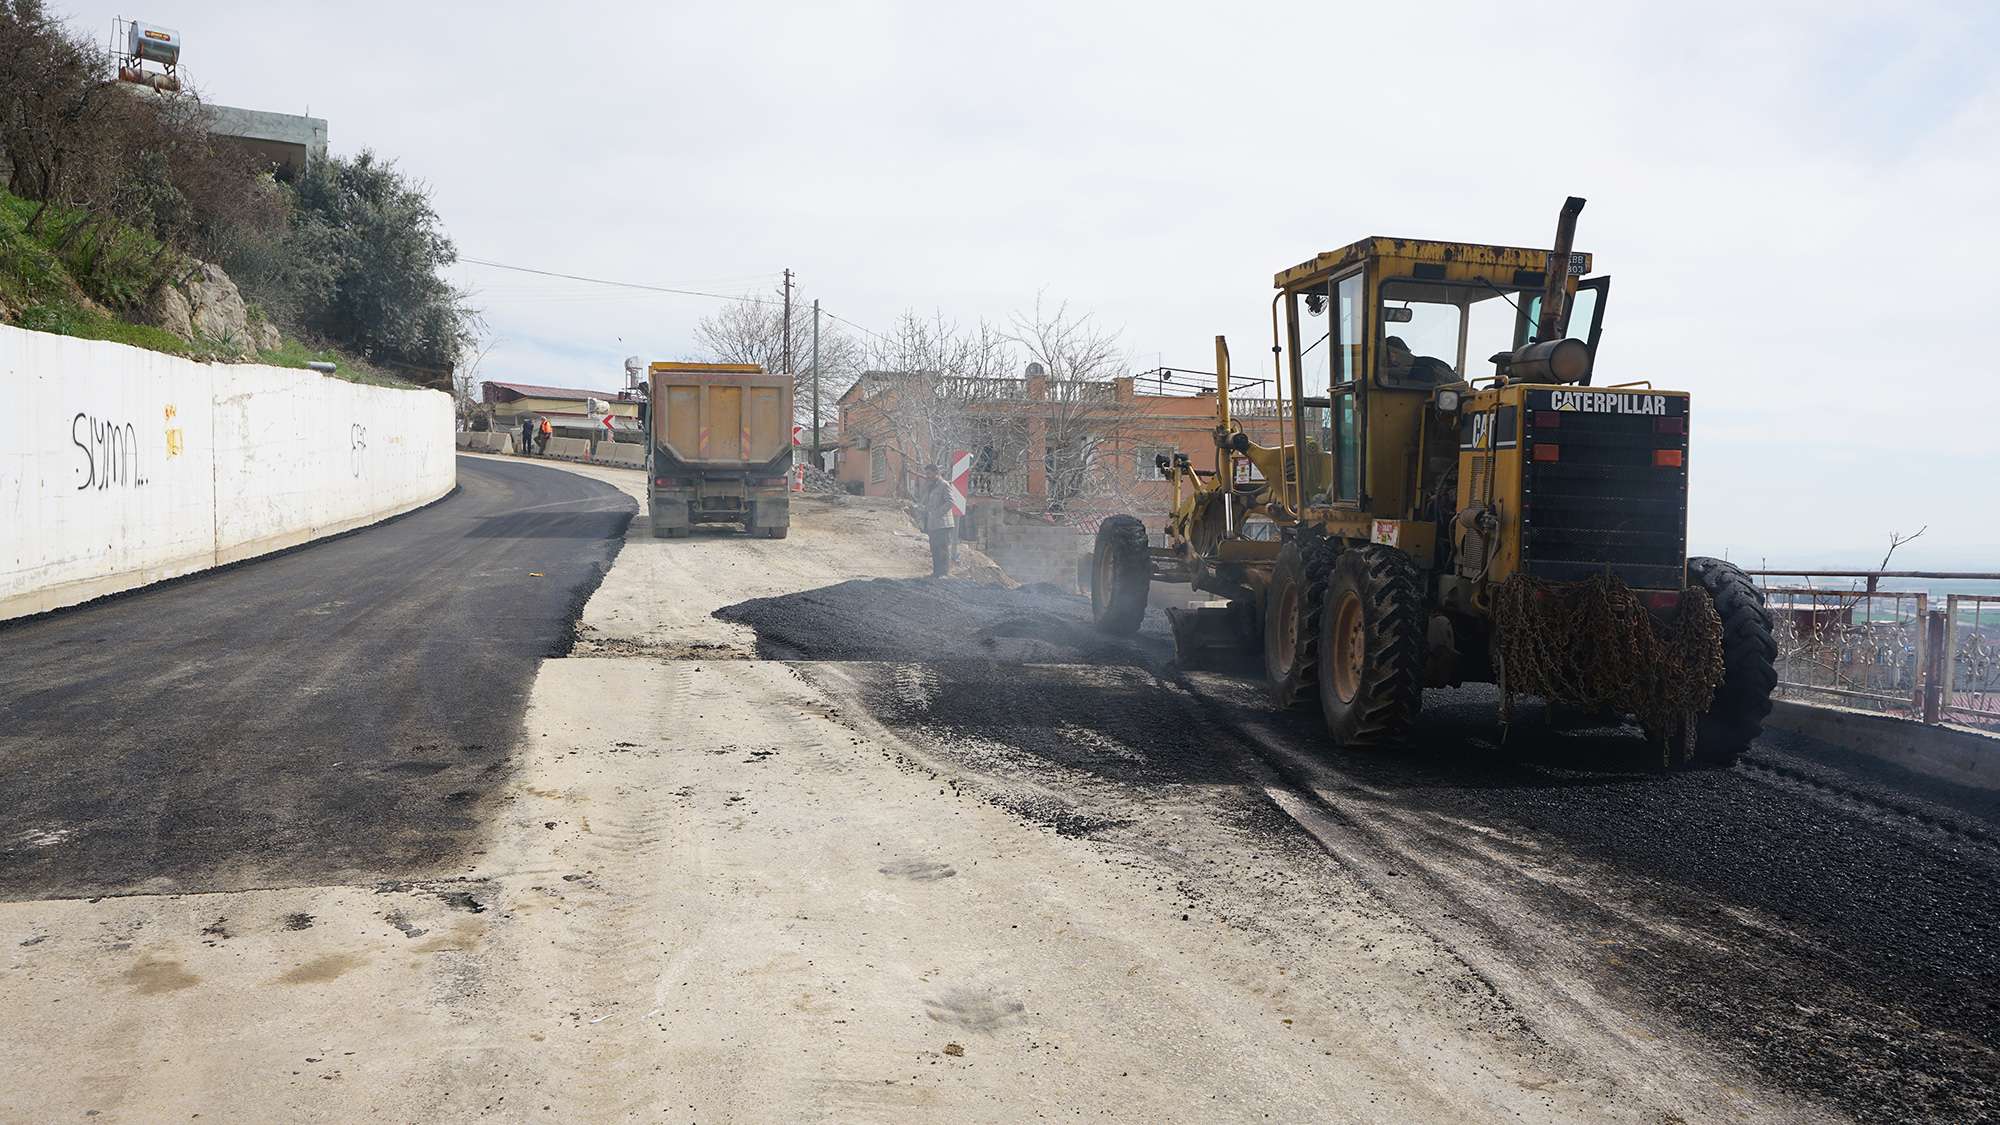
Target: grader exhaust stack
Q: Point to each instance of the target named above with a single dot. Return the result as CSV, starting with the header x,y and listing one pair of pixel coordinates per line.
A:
x,y
1557,286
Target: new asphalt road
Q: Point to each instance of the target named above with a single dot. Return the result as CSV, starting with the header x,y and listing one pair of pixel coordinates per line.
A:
x,y
340,712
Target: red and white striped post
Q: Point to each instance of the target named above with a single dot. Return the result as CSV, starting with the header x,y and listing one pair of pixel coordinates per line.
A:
x,y
958,476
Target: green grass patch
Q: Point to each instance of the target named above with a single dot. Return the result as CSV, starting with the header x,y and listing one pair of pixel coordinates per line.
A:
x,y
50,282
65,319
293,353
73,252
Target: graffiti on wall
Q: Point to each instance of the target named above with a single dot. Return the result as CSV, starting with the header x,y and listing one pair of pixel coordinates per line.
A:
x,y
110,452
357,445
173,434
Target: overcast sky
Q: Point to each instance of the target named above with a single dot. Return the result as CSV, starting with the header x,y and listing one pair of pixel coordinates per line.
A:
x,y
1796,201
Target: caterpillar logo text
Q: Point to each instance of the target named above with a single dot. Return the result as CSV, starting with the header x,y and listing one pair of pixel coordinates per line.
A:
x,y
1606,402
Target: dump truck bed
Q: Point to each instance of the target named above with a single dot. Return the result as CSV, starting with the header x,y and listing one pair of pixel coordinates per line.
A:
x,y
721,448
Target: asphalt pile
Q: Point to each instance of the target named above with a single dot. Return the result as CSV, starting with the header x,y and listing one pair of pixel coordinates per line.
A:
x,y
928,619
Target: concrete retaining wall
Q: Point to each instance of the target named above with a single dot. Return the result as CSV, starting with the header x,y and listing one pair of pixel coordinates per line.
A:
x,y
128,466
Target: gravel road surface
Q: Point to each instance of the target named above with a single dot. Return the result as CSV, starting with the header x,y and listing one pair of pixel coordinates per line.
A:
x,y
795,834
1828,920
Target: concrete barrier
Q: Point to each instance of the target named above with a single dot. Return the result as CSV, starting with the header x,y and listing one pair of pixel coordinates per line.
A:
x,y
130,466
630,455
488,442
1953,753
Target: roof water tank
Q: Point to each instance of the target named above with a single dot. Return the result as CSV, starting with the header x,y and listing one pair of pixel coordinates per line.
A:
x,y
156,44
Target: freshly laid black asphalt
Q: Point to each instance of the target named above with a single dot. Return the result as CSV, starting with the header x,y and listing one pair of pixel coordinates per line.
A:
x,y
340,712
1830,920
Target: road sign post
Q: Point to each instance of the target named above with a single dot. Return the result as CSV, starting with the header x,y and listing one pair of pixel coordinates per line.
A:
x,y
959,478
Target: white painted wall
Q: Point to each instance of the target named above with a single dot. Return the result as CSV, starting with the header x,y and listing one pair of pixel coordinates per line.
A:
x,y
122,467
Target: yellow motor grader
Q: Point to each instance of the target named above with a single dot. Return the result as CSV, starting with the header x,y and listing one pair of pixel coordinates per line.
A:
x,y
1454,501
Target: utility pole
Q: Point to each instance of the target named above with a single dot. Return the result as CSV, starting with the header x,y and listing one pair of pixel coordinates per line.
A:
x,y
815,456
788,322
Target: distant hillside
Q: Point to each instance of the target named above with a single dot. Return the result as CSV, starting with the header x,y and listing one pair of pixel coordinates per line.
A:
x,y
73,276
122,212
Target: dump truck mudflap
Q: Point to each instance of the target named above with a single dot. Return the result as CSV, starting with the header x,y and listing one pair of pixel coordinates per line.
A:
x,y
770,515
669,511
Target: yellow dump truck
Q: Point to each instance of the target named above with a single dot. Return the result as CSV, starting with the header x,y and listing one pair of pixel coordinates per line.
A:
x,y
721,439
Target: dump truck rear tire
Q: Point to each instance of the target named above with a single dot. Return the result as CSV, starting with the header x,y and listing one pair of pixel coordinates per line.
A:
x,y
1292,621
1373,647
1121,575
1749,662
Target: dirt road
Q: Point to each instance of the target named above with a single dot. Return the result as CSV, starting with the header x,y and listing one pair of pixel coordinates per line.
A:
x,y
721,887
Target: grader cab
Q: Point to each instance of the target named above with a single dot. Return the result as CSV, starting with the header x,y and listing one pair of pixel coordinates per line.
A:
x,y
1456,501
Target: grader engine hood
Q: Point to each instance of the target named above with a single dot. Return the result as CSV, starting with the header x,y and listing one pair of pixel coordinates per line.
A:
x,y
1576,481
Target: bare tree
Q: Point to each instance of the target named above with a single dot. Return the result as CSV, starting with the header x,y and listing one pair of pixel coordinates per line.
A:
x,y
754,332
1088,433
935,386
58,116
473,414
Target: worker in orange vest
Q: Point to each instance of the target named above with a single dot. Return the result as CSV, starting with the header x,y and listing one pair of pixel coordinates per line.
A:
x,y
542,439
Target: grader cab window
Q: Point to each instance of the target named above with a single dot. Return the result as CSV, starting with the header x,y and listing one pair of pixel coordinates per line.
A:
x,y
1583,314
1441,332
1329,323
1312,341
1422,330
1327,327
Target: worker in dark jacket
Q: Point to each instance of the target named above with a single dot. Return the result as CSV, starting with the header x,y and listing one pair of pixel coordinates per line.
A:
x,y
527,436
938,523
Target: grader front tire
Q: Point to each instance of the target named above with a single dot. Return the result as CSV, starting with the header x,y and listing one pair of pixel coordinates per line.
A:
x,y
1121,577
1373,648
1292,622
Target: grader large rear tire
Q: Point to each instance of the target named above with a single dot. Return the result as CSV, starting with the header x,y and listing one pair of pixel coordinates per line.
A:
x,y
1292,621
1373,648
1121,575
1749,655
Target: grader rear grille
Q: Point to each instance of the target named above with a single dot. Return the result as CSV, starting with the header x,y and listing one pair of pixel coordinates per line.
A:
x,y
1604,483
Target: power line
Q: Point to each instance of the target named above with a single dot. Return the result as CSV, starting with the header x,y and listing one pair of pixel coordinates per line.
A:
x,y
619,284
668,289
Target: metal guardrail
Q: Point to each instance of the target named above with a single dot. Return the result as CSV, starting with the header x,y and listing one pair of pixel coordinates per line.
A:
x,y
1888,650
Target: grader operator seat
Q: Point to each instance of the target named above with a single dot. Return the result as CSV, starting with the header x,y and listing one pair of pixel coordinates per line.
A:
x,y
1405,368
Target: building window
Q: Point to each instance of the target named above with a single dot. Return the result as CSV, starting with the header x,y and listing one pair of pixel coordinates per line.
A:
x,y
878,465
1147,467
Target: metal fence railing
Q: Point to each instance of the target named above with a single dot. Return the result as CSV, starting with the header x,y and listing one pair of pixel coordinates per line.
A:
x,y
1972,659
999,484
1892,651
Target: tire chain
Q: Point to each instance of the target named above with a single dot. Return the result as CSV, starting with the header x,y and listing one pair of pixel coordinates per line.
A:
x,y
1591,647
